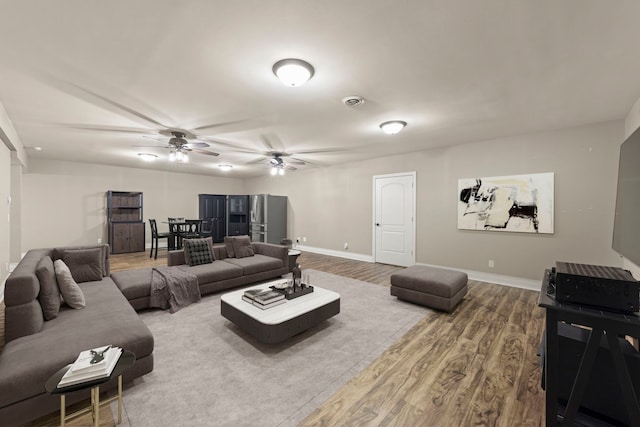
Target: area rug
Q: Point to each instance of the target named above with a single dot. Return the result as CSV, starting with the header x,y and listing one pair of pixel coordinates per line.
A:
x,y
208,372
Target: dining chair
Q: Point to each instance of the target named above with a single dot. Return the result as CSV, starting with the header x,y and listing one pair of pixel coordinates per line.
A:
x,y
207,227
191,229
155,237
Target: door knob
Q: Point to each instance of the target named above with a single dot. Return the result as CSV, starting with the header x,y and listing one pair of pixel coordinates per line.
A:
x,y
377,224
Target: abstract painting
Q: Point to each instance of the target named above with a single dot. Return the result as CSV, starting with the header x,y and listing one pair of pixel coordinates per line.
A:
x,y
519,203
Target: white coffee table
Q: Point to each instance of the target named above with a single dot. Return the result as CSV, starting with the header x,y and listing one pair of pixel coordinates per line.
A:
x,y
283,321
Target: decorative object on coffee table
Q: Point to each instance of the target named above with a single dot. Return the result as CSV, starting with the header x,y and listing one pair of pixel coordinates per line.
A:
x,y
127,359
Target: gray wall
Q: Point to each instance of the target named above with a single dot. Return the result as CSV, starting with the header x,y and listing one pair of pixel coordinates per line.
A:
x,y
64,203
331,206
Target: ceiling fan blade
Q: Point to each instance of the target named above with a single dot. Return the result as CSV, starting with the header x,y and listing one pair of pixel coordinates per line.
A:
x,y
291,168
296,161
154,138
151,146
320,151
257,161
218,125
106,128
196,145
233,146
208,153
117,105
266,142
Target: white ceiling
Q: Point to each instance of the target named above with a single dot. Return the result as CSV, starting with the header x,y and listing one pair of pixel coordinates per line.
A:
x,y
456,71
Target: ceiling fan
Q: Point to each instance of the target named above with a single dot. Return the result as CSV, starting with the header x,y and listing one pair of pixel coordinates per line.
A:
x,y
278,164
179,145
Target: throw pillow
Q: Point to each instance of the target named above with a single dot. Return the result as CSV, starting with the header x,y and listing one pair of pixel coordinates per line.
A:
x,y
228,244
242,247
49,295
187,254
104,259
85,264
197,251
69,289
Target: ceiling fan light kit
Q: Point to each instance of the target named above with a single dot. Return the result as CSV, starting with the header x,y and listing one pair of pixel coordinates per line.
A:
x,y
392,127
293,72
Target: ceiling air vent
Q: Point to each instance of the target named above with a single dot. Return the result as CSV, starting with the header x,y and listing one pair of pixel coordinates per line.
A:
x,y
353,101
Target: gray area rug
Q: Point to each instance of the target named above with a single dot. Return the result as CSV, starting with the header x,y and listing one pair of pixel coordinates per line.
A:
x,y
209,372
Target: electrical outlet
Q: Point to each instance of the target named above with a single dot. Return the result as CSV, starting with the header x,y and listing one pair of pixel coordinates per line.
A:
x,y
99,240
346,246
304,239
491,263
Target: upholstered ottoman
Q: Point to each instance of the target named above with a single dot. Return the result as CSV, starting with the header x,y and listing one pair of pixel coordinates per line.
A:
x,y
432,287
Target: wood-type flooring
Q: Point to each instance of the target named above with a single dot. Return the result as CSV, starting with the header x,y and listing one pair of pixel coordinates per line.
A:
x,y
475,366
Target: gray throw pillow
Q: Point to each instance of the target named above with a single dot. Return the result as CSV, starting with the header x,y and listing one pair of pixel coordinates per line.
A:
x,y
85,264
197,251
49,295
242,247
228,244
104,259
69,289
187,254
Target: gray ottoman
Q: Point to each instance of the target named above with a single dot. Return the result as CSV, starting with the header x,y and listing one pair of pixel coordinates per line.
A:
x,y
432,287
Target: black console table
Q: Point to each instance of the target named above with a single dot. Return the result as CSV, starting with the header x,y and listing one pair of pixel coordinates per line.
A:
x,y
601,323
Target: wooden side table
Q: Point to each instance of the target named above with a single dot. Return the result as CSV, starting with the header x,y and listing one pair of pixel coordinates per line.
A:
x,y
127,359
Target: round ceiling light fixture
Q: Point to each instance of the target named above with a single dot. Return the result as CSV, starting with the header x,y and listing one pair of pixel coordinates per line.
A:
x,y
147,157
225,168
293,72
392,127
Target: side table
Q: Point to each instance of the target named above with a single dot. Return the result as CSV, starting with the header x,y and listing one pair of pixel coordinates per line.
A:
x,y
293,256
127,359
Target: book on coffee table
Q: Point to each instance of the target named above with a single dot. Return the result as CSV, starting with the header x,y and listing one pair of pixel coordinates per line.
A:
x,y
268,296
269,304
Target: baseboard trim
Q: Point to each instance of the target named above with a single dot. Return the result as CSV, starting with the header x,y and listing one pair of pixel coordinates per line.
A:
x,y
339,254
499,279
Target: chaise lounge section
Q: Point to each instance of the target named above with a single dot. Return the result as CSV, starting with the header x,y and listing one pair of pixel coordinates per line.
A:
x,y
36,348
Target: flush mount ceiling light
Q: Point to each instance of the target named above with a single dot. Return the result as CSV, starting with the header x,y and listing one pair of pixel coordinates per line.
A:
x,y
293,72
147,157
393,126
225,167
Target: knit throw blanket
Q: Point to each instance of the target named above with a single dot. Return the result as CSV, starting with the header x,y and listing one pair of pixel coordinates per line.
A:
x,y
173,288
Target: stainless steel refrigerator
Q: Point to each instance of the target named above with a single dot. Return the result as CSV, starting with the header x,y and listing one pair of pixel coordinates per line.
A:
x,y
267,218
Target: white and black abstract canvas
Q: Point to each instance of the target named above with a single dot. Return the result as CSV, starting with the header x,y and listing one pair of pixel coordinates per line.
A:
x,y
519,203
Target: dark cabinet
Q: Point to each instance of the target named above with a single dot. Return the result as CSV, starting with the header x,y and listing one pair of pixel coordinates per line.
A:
x,y
124,218
126,237
213,209
238,218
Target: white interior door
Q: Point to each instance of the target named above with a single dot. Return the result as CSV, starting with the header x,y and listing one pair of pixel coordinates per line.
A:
x,y
394,224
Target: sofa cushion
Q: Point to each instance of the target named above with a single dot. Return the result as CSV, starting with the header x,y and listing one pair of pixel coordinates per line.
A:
x,y
242,247
85,264
104,259
255,264
49,295
133,284
198,251
213,272
69,289
228,244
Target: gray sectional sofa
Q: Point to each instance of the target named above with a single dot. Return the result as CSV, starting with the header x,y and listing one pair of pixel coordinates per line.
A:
x,y
270,261
36,348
